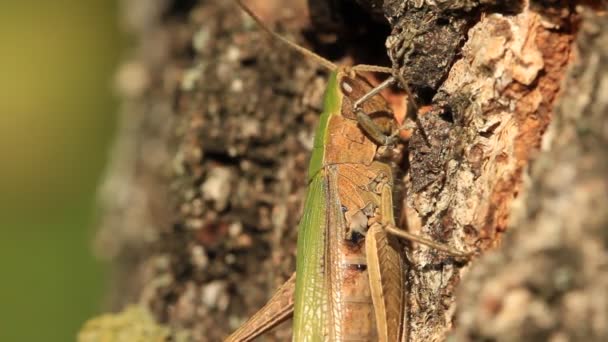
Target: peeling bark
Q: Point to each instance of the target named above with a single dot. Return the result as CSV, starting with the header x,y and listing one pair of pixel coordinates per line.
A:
x,y
548,280
483,125
203,197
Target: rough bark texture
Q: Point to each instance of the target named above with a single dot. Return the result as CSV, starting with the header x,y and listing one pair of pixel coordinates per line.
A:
x,y
548,280
202,201
482,126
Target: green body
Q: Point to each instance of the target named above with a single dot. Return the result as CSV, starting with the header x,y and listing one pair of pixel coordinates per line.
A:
x,y
346,286
311,291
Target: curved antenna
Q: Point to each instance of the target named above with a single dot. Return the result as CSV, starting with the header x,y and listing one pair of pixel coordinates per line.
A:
x,y
324,62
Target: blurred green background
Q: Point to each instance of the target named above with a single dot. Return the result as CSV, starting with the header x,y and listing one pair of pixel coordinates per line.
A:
x,y
57,116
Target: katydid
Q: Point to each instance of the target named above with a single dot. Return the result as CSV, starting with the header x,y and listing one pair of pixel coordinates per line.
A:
x,y
350,271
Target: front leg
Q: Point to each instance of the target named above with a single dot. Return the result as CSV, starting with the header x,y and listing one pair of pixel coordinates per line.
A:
x,y
373,130
367,124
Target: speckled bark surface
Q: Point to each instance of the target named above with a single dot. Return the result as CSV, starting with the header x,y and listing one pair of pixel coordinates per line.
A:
x,y
203,198
202,201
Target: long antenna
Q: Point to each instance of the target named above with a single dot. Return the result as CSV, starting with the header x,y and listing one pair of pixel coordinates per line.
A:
x,y
372,68
325,62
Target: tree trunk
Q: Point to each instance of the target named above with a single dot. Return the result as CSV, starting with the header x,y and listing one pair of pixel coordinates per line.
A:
x,y
203,197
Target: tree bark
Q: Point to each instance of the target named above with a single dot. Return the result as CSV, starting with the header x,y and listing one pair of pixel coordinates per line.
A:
x,y
203,197
548,280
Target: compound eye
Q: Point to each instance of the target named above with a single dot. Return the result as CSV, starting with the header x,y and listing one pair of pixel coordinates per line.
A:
x,y
347,88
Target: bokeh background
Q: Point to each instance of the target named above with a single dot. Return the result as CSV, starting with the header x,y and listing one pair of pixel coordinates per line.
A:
x,y
57,117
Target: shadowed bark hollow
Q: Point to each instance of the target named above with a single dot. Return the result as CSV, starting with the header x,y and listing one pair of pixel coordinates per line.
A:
x,y
203,197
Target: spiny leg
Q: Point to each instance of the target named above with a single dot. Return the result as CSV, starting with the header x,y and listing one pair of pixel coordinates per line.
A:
x,y
385,260
391,229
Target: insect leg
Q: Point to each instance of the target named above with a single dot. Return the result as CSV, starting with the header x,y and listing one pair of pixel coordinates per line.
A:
x,y
391,228
366,122
278,309
372,129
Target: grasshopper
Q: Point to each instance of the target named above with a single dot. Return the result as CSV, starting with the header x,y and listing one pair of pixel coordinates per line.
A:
x,y
350,270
